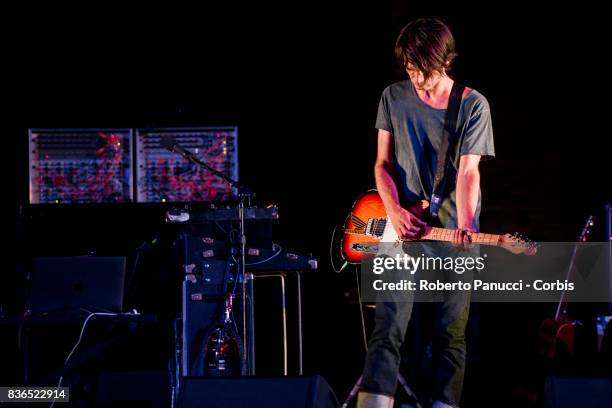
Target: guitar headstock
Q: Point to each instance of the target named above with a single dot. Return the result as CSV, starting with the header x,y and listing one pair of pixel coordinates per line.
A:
x,y
586,230
518,244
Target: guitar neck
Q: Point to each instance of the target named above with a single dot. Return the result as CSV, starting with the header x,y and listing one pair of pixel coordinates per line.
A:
x,y
446,234
571,272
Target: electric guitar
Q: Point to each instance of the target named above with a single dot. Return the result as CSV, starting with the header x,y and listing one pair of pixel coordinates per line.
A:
x,y
368,225
557,333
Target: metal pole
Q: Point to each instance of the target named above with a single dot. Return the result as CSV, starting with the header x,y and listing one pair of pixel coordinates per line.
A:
x,y
300,345
242,270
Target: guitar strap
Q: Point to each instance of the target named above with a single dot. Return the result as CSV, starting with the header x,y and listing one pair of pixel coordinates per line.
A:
x,y
449,137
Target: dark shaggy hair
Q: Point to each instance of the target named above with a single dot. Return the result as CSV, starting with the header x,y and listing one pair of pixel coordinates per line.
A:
x,y
426,43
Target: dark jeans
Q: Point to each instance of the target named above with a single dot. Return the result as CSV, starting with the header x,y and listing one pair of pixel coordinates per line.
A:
x,y
391,322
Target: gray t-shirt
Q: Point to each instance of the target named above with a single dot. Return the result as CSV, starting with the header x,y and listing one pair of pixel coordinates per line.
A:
x,y
417,134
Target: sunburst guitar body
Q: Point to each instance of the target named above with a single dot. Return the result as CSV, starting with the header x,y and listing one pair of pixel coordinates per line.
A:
x,y
368,225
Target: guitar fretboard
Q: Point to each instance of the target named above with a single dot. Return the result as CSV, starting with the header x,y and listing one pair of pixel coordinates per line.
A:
x,y
446,234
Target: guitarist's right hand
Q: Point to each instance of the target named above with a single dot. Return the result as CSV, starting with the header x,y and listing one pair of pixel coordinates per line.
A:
x,y
406,224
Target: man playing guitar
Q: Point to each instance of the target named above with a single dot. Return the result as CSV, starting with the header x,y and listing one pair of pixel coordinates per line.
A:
x,y
410,121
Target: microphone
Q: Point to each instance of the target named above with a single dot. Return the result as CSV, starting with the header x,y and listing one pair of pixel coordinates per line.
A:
x,y
168,142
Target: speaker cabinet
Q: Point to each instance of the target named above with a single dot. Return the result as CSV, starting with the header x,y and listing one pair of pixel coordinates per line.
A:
x,y
239,392
583,392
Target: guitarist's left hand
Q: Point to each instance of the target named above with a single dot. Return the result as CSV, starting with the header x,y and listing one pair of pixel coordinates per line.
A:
x,y
462,239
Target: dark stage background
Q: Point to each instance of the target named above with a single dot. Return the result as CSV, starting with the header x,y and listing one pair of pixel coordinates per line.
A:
x,y
302,83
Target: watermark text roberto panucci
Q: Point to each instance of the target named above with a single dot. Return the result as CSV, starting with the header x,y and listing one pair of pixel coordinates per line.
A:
x,y
432,271
459,265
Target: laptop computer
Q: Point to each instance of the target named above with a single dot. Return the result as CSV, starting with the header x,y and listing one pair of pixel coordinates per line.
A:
x,y
73,283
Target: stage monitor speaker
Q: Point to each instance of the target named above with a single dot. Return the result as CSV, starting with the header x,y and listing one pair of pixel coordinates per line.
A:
x,y
583,392
125,389
238,392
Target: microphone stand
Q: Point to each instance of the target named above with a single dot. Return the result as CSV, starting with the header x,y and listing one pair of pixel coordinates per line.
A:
x,y
244,193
